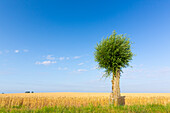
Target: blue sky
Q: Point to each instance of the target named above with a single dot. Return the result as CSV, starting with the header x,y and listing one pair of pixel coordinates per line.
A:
x,y
47,46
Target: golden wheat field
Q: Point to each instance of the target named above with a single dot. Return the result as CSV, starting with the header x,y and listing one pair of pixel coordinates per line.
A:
x,y
38,100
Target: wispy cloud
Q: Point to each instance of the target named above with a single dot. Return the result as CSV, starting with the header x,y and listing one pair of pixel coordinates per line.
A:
x,y
67,58
78,71
82,70
76,57
81,64
16,51
63,69
61,58
93,68
46,62
6,51
50,57
25,50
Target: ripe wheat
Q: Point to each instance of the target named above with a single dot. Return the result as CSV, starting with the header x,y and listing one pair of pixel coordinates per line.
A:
x,y
42,101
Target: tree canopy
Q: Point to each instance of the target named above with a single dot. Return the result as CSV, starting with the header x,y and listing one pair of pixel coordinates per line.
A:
x,y
113,53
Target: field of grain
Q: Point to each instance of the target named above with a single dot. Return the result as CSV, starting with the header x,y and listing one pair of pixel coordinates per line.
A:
x,y
39,100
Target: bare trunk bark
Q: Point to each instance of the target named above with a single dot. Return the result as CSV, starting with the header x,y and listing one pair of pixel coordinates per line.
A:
x,y
112,95
113,83
119,84
116,88
115,91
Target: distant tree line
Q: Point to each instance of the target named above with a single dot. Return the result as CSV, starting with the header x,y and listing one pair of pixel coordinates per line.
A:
x,y
29,91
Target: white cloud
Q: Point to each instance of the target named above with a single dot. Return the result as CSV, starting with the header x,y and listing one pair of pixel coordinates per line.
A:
x,y
16,51
82,70
93,68
65,68
76,57
0,52
6,51
61,58
50,57
46,62
25,50
67,58
80,64
37,62
53,62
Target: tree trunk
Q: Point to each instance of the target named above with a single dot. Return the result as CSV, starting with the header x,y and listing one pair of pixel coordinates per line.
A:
x,y
115,91
113,83
112,95
116,88
119,84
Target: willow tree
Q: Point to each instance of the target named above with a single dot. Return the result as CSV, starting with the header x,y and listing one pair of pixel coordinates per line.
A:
x,y
113,54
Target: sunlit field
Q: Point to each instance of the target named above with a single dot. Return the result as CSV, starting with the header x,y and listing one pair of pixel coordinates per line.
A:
x,y
71,94
39,100
84,102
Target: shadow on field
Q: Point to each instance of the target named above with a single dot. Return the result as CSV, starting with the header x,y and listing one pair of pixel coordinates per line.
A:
x,y
122,100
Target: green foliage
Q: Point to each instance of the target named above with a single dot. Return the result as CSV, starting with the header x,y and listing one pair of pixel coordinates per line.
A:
x,y
113,53
92,109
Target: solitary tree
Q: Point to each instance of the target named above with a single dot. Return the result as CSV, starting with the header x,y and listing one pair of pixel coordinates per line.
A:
x,y
113,54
